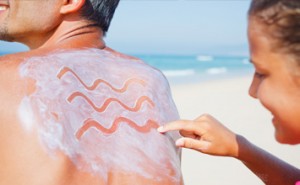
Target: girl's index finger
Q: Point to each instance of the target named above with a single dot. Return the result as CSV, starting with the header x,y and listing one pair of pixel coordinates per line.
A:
x,y
176,125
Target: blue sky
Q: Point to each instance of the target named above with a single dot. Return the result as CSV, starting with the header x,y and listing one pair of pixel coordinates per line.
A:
x,y
180,27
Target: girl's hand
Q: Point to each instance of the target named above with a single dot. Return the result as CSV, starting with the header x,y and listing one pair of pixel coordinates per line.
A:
x,y
205,134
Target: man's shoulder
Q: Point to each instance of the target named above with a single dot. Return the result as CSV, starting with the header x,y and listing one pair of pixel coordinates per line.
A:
x,y
8,63
10,80
11,62
10,77
11,59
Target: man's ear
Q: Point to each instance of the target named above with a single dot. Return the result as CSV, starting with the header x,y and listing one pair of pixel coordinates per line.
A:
x,y
71,6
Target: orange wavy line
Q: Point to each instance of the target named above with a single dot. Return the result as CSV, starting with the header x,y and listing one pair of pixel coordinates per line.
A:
x,y
89,123
99,81
108,101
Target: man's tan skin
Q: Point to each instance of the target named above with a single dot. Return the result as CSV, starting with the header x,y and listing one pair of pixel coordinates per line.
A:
x,y
44,26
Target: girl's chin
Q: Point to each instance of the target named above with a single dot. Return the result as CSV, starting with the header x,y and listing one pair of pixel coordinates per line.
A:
x,y
285,139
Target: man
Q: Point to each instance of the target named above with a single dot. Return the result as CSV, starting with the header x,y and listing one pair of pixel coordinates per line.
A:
x,y
74,111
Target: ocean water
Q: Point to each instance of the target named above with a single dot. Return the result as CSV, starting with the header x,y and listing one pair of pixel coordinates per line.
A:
x,y
197,68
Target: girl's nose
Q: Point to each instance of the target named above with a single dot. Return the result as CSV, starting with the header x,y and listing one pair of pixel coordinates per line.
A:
x,y
253,87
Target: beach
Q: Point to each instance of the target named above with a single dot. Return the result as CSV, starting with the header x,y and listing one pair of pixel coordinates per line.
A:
x,y
228,101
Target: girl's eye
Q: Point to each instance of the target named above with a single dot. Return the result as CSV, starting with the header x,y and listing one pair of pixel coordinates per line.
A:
x,y
259,75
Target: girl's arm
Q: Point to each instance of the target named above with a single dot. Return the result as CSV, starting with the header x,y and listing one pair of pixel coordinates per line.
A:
x,y
207,135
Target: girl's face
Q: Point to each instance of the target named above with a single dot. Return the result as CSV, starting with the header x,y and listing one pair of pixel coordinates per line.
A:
x,y
275,83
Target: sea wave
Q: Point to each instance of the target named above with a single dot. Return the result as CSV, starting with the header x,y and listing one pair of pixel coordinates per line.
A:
x,y
205,58
174,73
216,70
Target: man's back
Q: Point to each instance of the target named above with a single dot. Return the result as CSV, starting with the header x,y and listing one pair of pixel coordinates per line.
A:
x,y
88,113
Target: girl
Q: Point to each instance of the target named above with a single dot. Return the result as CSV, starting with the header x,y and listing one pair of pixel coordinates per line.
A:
x,y
274,38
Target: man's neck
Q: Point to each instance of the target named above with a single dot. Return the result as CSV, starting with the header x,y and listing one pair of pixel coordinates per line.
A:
x,y
69,34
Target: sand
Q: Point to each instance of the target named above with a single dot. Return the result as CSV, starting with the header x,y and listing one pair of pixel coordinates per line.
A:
x,y
229,102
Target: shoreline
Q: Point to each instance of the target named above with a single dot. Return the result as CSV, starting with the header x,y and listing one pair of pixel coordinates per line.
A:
x,y
228,101
204,77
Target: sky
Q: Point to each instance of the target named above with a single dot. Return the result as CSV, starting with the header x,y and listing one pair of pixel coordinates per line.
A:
x,y
181,27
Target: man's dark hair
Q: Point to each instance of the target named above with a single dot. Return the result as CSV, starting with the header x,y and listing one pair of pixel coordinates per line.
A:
x,y
99,12
282,20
